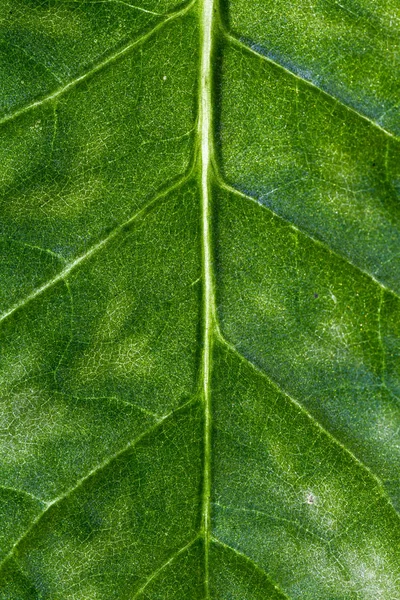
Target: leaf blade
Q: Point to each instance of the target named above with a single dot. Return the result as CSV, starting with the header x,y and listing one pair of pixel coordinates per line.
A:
x,y
200,396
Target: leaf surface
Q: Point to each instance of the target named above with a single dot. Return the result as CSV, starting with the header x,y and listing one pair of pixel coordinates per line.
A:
x,y
200,300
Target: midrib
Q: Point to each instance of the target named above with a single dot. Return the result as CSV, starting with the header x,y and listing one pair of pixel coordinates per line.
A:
x,y
205,137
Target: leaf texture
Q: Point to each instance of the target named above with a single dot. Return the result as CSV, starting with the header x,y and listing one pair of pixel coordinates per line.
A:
x,y
200,300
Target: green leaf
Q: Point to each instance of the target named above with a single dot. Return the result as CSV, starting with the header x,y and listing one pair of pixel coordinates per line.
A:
x,y
200,300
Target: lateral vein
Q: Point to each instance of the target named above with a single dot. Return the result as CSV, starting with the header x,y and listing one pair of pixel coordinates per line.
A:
x,y
62,275
300,229
237,42
95,471
253,563
163,566
378,481
99,67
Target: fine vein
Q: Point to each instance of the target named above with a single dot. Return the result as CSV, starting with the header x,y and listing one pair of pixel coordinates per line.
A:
x,y
300,229
378,481
163,566
95,471
251,562
62,275
206,152
272,61
98,67
139,8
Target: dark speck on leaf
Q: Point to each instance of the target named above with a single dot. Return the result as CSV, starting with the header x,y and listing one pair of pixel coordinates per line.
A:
x,y
315,295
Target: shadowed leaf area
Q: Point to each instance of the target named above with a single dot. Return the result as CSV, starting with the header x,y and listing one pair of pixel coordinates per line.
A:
x,y
199,300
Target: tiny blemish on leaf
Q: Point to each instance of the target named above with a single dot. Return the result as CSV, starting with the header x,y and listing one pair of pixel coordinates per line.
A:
x,y
310,498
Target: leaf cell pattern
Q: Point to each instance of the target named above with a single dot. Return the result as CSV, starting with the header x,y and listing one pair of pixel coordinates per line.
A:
x,y
200,300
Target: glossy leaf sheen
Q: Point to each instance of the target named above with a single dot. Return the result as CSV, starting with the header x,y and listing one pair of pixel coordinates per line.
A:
x,y
200,300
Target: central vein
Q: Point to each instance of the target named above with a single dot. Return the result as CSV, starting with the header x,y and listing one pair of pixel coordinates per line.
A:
x,y
206,149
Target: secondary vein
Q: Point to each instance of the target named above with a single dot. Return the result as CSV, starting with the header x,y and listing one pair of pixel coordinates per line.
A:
x,y
303,231
63,274
83,480
98,67
205,137
241,44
